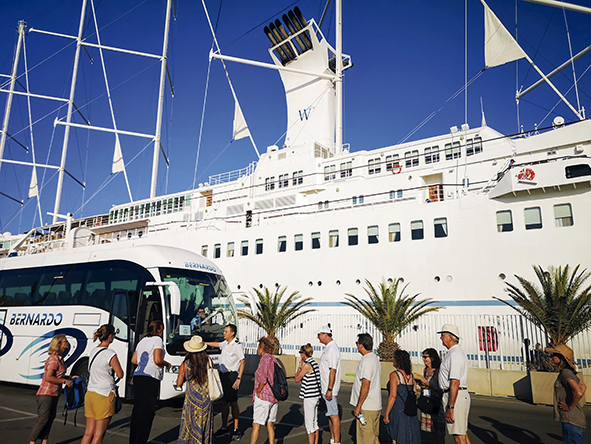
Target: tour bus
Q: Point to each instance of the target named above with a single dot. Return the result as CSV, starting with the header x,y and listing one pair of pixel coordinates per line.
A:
x,y
75,291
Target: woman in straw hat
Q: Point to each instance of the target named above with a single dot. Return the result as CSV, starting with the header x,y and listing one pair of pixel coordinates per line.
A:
x,y
197,418
568,391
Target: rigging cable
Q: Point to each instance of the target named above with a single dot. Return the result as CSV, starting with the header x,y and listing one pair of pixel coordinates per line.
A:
x,y
570,48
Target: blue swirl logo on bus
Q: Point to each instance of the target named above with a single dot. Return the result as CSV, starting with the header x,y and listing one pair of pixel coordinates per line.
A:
x,y
204,267
37,350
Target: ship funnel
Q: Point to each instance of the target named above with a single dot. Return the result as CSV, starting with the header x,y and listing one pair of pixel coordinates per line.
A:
x,y
291,40
275,42
300,23
301,46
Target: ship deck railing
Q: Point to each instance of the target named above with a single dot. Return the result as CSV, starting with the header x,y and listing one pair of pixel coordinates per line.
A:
x,y
231,176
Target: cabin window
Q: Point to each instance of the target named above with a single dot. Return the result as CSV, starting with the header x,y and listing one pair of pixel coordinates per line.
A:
x,y
353,236
204,249
244,248
392,160
346,169
473,146
329,172
432,154
394,232
361,199
453,151
392,194
298,177
259,246
417,231
577,171
373,234
440,225
270,183
315,241
399,194
374,166
230,249
298,242
283,180
563,215
333,238
282,244
411,158
504,221
533,218
217,251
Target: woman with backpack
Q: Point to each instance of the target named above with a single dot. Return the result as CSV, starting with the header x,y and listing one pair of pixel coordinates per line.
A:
x,y
308,373
403,427
197,417
99,402
51,387
264,402
149,358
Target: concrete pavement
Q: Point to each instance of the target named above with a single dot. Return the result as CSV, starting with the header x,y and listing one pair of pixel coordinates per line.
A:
x,y
492,420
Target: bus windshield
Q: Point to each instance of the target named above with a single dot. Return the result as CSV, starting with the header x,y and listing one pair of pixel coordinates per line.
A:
x,y
206,308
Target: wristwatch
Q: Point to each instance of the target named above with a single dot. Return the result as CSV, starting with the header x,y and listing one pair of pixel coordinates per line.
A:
x,y
450,407
329,389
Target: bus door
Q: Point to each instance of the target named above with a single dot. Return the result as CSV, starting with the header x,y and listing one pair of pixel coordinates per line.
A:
x,y
121,318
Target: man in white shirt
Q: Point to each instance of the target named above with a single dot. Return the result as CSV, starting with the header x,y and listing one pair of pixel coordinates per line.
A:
x,y
330,380
366,395
231,368
453,379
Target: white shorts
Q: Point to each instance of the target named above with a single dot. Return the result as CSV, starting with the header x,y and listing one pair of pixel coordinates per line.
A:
x,y
461,411
311,414
264,411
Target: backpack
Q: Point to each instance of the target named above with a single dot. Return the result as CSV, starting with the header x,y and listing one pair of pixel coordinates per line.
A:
x,y
74,398
279,386
410,405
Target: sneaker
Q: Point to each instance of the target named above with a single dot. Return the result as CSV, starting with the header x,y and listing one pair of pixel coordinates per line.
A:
x,y
222,431
237,435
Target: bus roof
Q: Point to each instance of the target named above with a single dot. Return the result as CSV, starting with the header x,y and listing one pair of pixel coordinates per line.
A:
x,y
148,256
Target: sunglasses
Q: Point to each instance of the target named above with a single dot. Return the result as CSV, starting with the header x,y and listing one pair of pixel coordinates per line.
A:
x,y
426,356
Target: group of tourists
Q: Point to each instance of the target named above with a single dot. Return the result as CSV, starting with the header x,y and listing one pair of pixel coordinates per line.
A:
x,y
444,402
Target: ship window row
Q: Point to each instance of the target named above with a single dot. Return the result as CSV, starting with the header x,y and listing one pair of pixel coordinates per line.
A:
x,y
431,155
532,218
150,209
283,182
351,237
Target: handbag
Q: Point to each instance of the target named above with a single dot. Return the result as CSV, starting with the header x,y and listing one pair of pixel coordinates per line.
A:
x,y
118,403
427,404
216,390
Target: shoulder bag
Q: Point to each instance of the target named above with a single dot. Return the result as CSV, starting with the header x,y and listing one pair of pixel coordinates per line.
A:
x,y
216,390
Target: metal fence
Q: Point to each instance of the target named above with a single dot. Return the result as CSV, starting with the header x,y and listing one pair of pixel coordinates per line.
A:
x,y
506,342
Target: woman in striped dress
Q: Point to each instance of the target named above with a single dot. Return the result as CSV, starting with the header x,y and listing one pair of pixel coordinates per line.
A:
x,y
308,374
197,416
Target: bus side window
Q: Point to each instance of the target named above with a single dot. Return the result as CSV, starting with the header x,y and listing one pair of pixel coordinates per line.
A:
x,y
120,314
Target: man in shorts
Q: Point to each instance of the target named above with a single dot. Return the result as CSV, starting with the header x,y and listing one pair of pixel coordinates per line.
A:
x,y
330,380
231,367
453,379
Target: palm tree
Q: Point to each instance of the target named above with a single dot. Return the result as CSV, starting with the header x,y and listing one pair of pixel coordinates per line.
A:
x,y
390,311
271,314
561,306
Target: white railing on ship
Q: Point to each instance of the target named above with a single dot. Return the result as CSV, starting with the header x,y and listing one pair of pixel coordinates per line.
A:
x,y
232,175
490,341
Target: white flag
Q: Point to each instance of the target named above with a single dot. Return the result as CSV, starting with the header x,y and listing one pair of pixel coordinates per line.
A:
x,y
499,46
118,164
33,190
240,127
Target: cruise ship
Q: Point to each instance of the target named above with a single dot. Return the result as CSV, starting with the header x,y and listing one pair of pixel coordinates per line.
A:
x,y
455,215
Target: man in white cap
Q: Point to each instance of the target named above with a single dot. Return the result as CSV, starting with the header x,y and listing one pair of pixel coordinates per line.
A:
x,y
453,379
330,380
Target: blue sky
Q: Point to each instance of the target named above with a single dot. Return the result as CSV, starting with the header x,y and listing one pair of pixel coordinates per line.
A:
x,y
408,60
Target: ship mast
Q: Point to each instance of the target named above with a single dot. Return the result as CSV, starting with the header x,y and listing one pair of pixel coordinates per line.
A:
x,y
339,78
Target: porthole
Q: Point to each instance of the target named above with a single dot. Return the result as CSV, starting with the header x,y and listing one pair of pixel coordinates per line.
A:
x,y
310,283
401,280
449,278
276,285
338,282
502,276
238,286
319,283
358,282
436,278
390,280
260,285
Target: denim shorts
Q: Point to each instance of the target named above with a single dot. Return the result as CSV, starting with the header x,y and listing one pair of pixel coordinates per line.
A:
x,y
332,406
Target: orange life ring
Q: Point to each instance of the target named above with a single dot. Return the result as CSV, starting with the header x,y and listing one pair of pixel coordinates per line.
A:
x,y
396,169
98,223
526,174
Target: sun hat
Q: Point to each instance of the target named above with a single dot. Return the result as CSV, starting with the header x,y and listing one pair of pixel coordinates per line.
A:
x,y
195,345
450,328
324,329
565,351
